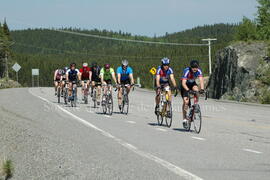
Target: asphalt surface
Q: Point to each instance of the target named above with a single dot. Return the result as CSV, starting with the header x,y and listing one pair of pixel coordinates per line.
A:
x,y
47,140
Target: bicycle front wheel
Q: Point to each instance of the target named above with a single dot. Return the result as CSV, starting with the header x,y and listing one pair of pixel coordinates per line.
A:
x,y
58,94
197,120
110,105
125,105
168,116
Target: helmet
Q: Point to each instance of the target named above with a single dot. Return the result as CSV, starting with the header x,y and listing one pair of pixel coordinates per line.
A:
x,y
94,64
72,64
125,62
65,68
194,64
165,61
85,64
107,66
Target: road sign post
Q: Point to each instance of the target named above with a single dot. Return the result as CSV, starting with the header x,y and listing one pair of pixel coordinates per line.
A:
x,y
35,72
16,67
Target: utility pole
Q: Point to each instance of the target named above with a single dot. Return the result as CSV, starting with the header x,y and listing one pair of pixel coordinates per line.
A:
x,y
6,61
209,49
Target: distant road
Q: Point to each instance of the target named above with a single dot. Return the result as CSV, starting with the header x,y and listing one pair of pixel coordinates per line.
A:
x,y
47,140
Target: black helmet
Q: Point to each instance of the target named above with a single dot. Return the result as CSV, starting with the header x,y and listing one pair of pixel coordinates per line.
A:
x,y
72,64
94,64
194,64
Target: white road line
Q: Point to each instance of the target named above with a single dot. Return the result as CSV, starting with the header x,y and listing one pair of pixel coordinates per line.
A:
x,y
175,169
160,129
107,116
253,151
131,122
198,138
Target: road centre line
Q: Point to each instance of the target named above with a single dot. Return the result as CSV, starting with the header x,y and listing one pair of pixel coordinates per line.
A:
x,y
160,129
198,138
173,168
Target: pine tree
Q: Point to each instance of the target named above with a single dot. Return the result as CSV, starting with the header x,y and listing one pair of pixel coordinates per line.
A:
x,y
263,19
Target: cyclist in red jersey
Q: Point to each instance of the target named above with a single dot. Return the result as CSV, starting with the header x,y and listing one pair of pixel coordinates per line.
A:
x,y
85,77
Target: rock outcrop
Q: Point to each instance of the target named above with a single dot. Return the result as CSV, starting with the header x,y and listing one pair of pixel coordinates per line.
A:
x,y
8,83
237,71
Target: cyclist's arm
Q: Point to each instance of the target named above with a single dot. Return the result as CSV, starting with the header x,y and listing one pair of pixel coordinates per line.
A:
x,y
79,76
55,73
114,78
119,77
173,80
67,78
131,78
201,82
90,76
157,80
184,84
102,78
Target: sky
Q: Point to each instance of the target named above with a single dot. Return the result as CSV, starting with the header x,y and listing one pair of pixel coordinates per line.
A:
x,y
139,17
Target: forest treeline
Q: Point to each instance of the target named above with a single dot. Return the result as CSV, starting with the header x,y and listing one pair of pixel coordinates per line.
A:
x,y
49,49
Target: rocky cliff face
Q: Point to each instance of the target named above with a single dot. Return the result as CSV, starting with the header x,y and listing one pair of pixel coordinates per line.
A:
x,y
237,71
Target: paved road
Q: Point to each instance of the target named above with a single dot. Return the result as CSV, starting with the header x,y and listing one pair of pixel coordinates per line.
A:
x,y
50,141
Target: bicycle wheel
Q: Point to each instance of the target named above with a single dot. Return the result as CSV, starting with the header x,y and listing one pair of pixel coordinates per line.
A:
x,y
159,118
197,120
110,104
58,94
65,95
74,97
104,104
94,98
169,118
125,104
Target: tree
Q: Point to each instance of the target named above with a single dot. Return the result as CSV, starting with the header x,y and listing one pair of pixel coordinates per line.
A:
x,y
263,19
247,30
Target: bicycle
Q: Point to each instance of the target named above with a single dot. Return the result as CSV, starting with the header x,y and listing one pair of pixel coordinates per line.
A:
x,y
94,96
107,100
194,112
85,92
125,101
73,97
165,106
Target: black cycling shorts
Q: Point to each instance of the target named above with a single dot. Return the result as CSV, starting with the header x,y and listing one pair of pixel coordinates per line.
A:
x,y
124,82
184,92
109,81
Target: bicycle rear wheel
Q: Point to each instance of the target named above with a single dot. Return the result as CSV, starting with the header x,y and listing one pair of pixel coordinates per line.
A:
x,y
104,104
197,120
65,95
110,104
58,94
169,118
94,98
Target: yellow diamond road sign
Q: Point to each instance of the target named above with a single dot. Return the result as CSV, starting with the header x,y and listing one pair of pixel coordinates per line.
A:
x,y
153,70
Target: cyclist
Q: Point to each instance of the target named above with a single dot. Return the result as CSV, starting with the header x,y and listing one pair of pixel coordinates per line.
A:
x,y
188,83
95,80
125,77
85,77
72,75
163,76
106,75
58,73
63,80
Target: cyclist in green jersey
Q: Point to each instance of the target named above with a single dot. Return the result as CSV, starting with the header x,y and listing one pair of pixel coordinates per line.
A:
x,y
106,75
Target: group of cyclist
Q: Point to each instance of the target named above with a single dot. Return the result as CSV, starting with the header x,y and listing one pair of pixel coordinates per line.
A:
x,y
96,76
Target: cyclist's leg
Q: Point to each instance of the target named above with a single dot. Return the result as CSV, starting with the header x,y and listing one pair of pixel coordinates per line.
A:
x,y
185,98
119,96
69,88
55,87
196,97
82,84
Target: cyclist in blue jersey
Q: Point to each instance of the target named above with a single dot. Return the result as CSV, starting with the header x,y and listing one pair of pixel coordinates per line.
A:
x,y
188,83
125,77
163,77
73,76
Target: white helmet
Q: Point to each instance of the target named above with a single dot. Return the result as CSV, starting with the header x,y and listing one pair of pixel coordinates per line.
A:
x,y
125,62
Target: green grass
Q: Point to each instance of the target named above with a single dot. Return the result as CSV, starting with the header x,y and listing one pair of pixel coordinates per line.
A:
x,y
7,169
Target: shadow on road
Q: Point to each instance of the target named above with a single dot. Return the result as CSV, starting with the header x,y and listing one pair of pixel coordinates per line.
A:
x,y
182,130
156,124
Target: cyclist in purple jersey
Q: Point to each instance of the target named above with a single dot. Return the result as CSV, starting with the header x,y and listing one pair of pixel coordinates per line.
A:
x,y
188,83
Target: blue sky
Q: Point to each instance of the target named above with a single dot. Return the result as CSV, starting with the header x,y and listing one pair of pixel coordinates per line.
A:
x,y
142,17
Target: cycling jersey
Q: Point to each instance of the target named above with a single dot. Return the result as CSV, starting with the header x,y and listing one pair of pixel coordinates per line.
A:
x,y
85,73
95,74
72,74
164,75
190,76
124,72
107,75
59,73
